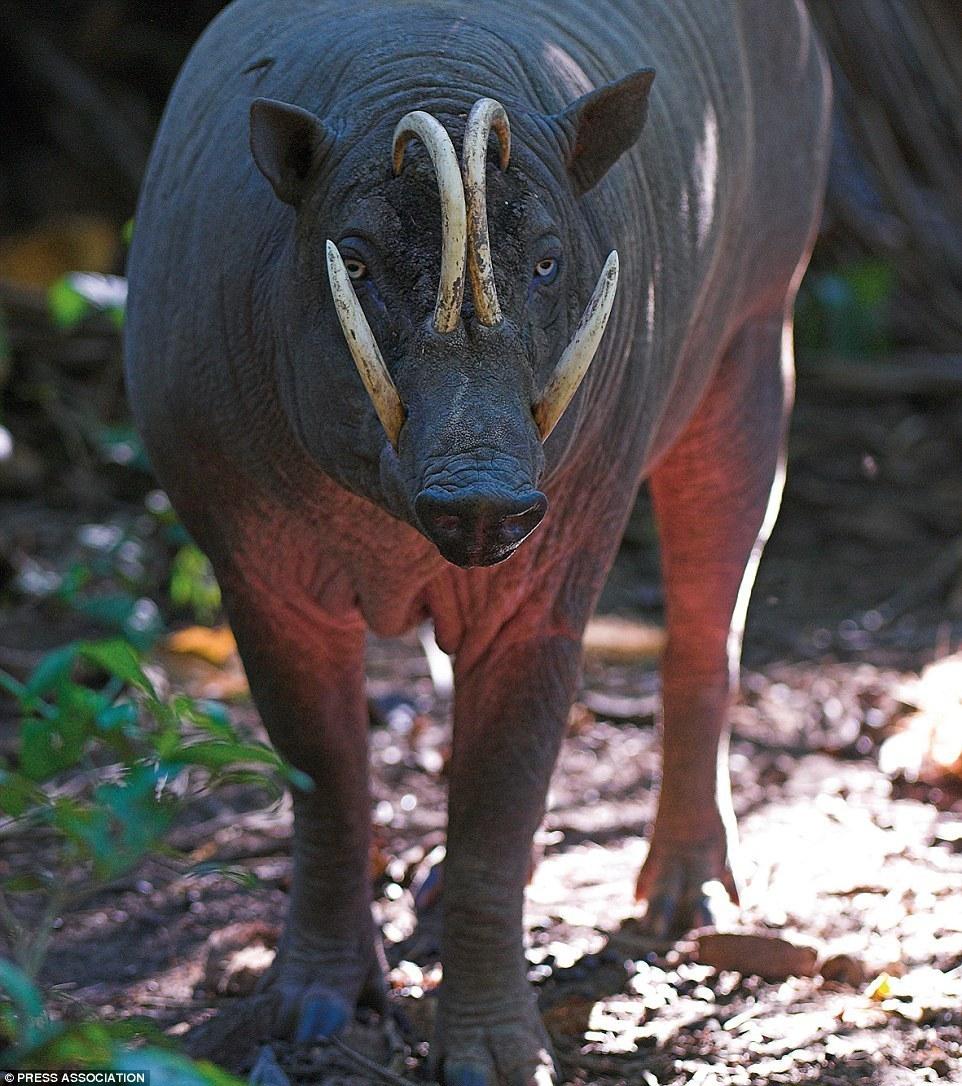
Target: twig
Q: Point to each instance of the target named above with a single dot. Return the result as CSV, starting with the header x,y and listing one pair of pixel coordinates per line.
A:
x,y
911,374
371,1066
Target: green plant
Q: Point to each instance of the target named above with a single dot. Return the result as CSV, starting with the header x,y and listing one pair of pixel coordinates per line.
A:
x,y
846,310
77,295
103,766
192,583
35,1041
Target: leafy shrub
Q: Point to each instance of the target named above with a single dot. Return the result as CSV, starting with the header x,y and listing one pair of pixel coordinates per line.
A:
x,y
104,765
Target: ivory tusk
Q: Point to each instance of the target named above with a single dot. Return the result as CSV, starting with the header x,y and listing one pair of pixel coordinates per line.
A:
x,y
422,126
577,356
363,347
485,114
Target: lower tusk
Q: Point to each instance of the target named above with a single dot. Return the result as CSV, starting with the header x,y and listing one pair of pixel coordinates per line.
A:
x,y
363,347
574,363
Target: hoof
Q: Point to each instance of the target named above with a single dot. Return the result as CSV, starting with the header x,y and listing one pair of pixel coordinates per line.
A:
x,y
512,1053
472,1073
321,1014
267,1071
685,887
466,1073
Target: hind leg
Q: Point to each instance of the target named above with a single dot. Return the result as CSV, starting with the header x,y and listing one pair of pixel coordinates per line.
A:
x,y
716,495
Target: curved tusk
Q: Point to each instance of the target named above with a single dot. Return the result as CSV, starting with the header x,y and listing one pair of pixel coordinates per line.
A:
x,y
574,363
485,114
422,126
363,347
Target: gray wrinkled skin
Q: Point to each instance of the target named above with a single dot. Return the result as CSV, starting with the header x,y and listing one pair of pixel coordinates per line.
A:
x,y
258,425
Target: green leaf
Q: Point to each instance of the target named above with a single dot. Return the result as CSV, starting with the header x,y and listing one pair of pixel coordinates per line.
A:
x,y
47,747
139,818
118,658
80,1044
173,1069
28,1010
193,585
89,1044
87,828
211,716
67,307
214,754
18,794
113,611
297,778
122,717
81,704
257,778
23,993
76,577
52,671
125,822
14,688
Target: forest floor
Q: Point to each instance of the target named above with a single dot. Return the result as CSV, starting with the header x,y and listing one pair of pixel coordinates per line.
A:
x,y
850,809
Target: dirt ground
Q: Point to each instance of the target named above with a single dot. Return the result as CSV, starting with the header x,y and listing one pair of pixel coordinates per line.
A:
x,y
851,827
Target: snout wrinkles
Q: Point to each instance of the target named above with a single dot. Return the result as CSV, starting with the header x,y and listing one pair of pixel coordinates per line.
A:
x,y
478,507
481,467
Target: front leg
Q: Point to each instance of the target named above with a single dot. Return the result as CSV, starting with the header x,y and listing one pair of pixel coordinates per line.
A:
x,y
511,706
716,496
305,668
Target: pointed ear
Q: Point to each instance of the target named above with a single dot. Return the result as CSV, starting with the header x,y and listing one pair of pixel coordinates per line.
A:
x,y
287,142
602,125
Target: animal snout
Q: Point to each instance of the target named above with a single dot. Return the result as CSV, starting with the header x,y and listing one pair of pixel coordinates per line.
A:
x,y
476,527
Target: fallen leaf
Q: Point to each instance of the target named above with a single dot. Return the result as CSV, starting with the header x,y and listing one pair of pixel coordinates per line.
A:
x,y
215,644
880,989
569,1018
621,640
843,969
771,957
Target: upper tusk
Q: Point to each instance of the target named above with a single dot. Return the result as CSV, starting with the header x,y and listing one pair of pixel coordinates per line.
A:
x,y
486,114
421,125
574,363
363,347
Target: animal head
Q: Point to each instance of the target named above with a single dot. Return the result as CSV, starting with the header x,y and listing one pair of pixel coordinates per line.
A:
x,y
456,284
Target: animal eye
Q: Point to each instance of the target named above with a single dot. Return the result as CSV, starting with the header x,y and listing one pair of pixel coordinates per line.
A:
x,y
546,270
356,269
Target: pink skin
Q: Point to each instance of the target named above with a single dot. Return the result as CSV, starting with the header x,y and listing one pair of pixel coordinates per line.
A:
x,y
716,496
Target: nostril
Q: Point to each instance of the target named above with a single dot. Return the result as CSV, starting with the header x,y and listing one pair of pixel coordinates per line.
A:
x,y
439,514
446,523
518,525
479,521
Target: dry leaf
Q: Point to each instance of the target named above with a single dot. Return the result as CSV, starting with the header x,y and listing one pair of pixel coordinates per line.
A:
x,y
622,640
215,644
